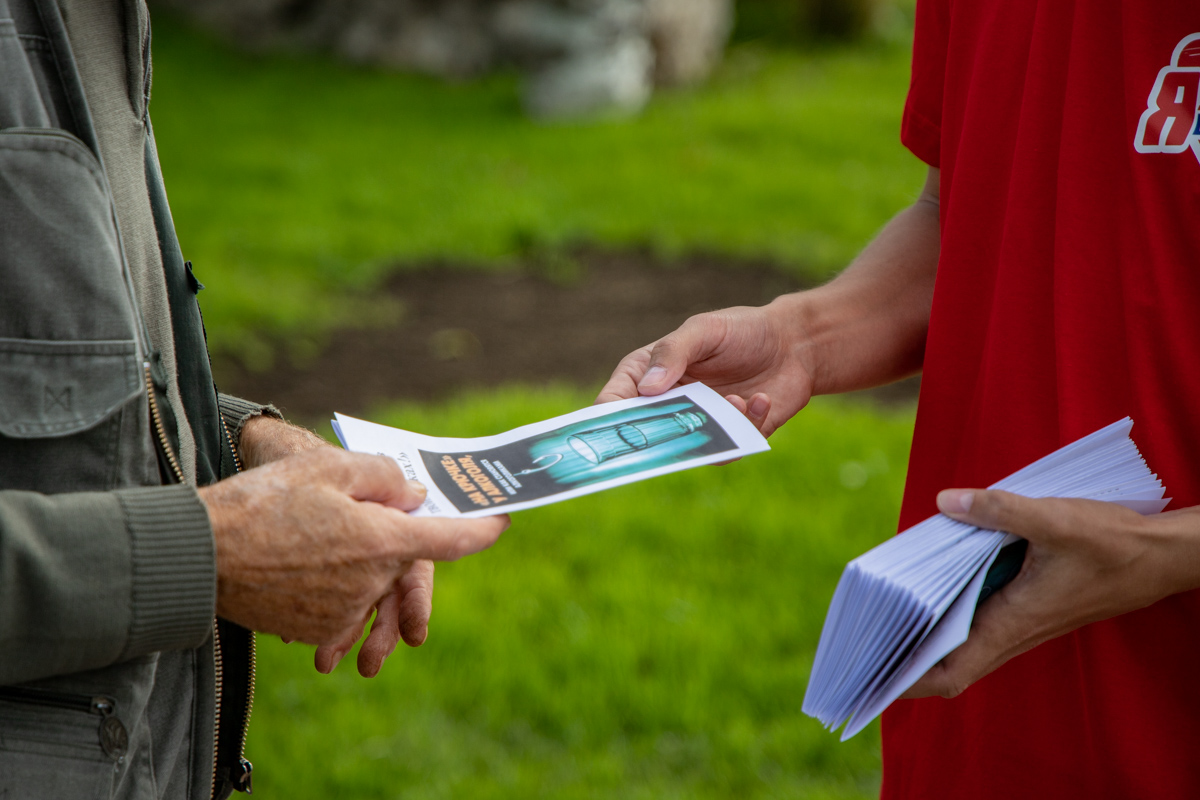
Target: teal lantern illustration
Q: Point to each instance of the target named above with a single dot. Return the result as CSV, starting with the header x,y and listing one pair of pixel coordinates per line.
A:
x,y
614,441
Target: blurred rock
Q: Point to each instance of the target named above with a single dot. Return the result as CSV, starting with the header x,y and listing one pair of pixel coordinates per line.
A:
x,y
616,79
688,37
580,56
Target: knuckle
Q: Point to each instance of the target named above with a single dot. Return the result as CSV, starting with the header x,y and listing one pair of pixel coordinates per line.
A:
x,y
951,690
996,507
664,349
456,546
953,685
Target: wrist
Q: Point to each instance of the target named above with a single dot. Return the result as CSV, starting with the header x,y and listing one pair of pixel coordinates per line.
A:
x,y
265,439
803,325
236,413
1176,536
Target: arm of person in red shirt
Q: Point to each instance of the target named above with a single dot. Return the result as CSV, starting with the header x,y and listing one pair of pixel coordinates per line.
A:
x,y
1086,561
864,328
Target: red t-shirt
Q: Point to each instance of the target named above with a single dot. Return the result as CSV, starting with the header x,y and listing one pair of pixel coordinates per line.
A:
x,y
1067,296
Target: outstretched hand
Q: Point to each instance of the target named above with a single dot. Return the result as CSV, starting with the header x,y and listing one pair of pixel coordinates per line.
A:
x,y
1087,561
743,353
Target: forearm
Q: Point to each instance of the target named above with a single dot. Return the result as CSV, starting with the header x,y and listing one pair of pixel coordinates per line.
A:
x,y
867,327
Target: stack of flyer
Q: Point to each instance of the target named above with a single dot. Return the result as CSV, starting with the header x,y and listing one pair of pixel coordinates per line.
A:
x,y
902,607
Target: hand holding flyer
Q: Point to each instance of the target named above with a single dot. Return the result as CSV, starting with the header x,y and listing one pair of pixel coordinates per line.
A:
x,y
586,451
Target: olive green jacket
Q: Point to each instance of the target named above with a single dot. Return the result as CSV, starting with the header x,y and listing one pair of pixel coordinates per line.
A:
x,y
112,683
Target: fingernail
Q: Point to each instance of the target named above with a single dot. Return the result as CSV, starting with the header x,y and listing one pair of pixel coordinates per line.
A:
x,y
954,501
652,377
419,488
759,406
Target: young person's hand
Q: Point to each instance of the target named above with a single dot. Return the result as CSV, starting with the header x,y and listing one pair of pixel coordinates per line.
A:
x,y
310,545
747,354
865,328
1086,561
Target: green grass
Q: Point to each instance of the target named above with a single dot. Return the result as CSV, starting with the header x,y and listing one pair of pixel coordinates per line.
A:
x,y
297,182
653,641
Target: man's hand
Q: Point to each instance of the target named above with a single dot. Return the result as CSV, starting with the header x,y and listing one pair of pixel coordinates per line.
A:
x,y
309,545
1086,561
402,614
747,354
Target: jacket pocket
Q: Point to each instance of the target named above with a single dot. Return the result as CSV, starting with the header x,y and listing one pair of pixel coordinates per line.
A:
x,y
73,413
58,388
61,269
55,745
72,416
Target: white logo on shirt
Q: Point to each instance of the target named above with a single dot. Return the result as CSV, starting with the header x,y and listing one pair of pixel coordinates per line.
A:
x,y
1171,121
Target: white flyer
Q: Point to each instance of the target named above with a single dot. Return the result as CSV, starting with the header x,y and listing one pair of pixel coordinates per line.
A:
x,y
586,451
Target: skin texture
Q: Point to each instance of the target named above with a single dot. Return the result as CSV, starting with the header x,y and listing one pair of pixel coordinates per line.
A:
x,y
1086,561
265,439
311,541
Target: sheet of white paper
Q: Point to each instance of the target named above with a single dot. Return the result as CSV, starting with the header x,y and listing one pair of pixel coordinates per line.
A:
x,y
586,451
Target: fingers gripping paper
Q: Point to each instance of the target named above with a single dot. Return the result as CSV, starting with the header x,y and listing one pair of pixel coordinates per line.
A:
x,y
902,607
587,451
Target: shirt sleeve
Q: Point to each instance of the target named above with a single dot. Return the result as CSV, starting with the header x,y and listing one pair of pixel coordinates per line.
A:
x,y
236,412
89,579
921,127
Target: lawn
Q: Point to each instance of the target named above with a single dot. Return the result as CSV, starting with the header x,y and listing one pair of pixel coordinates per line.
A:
x,y
296,182
652,641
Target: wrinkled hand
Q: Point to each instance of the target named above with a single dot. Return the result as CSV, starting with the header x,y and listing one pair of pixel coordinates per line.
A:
x,y
404,613
1086,561
746,354
308,546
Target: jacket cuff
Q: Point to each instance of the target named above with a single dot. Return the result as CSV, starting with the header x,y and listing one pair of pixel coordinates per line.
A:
x,y
173,553
237,412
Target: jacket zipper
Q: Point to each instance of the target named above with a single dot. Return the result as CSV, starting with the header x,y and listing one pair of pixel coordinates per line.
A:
x,y
241,771
160,430
244,769
114,738
164,442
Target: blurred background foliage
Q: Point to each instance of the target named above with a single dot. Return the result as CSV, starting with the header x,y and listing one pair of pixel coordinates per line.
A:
x,y
804,22
652,641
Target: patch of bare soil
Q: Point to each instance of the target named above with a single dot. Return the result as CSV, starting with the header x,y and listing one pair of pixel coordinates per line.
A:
x,y
465,328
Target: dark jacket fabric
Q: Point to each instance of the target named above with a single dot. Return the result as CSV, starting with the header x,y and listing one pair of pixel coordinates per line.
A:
x,y
112,683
